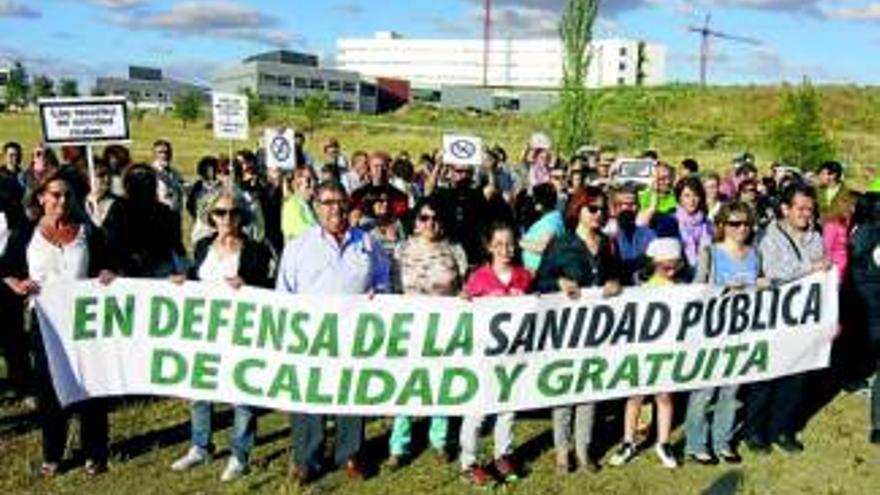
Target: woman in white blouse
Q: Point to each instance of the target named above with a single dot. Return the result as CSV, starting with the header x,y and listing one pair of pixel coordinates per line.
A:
x,y
231,258
62,246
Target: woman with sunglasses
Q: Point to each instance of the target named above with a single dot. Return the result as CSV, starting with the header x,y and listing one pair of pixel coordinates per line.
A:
x,y
229,258
734,263
426,264
61,246
582,257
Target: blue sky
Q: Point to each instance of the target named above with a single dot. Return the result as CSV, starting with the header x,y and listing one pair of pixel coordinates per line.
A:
x,y
827,40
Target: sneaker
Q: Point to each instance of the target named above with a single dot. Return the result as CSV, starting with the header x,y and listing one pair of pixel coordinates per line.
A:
x,y
49,469
758,446
196,455
95,468
730,456
666,455
704,458
625,453
789,444
507,469
395,462
476,475
234,469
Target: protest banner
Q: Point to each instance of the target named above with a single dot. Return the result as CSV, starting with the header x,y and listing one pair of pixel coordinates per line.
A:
x,y
462,150
279,145
85,121
425,355
230,116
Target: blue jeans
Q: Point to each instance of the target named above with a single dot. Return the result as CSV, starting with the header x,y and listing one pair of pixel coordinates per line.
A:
x,y
697,421
243,429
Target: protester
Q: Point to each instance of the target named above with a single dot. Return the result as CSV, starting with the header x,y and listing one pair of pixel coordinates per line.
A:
x,y
383,225
584,257
500,277
539,160
731,262
297,214
467,212
12,158
358,173
694,229
714,199
118,158
550,226
169,181
791,249
426,264
330,259
59,247
205,186
43,162
830,184
864,272
230,259
101,197
658,199
631,240
333,156
380,184
13,338
665,256
154,252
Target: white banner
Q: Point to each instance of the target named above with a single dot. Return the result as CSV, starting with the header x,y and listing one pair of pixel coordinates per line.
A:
x,y
84,120
230,116
425,355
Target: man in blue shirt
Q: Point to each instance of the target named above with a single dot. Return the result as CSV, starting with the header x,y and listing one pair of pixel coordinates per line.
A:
x,y
331,258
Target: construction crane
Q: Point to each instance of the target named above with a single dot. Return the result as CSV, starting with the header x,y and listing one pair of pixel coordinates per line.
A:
x,y
707,33
487,39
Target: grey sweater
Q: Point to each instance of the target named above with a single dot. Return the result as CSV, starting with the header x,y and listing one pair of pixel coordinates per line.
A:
x,y
785,257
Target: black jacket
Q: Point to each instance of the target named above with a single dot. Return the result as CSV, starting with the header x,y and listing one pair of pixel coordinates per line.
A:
x,y
254,264
13,263
568,257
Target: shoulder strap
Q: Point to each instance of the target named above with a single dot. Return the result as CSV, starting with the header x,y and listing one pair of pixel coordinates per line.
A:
x,y
791,242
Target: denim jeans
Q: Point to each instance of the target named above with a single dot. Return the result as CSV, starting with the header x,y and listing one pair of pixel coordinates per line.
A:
x,y
401,434
243,429
696,425
308,439
584,415
469,437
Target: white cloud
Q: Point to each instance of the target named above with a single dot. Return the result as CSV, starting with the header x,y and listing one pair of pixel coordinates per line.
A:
x,y
870,12
8,8
213,19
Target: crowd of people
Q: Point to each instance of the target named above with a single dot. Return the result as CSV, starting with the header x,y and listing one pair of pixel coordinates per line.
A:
x,y
369,222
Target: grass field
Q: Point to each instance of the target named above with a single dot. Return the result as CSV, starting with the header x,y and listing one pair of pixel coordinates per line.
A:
x,y
712,125
147,437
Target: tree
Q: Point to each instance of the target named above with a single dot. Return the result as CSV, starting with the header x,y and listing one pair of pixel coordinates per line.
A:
x,y
316,109
17,87
68,87
42,87
188,107
577,107
797,136
258,111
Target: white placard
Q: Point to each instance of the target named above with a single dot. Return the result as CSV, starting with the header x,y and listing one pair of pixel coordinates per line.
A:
x,y
280,151
462,150
84,120
230,116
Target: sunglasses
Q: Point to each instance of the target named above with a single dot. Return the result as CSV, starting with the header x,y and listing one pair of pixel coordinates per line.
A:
x,y
425,218
332,202
735,224
594,209
225,212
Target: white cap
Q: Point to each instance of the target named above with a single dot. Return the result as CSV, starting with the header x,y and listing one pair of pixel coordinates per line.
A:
x,y
664,249
541,141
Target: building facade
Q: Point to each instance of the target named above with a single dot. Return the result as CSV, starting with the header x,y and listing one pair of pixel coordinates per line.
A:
x,y
286,77
521,63
146,87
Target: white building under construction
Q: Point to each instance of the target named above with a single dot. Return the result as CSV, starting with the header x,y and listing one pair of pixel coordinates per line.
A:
x,y
512,63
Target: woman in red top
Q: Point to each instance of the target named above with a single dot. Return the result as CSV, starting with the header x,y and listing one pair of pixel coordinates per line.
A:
x,y
500,277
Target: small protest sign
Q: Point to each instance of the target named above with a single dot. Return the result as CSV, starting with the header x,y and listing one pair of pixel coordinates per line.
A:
x,y
462,150
279,145
230,116
79,121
